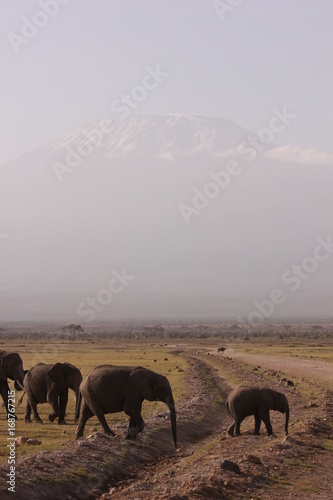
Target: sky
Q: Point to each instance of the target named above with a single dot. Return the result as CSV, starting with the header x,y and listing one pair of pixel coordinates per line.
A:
x,y
166,216
235,62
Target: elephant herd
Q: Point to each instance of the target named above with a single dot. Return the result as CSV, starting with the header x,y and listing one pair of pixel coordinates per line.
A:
x,y
111,389
106,389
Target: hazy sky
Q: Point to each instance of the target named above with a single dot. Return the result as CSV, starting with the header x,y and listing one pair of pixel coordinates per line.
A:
x,y
260,55
264,237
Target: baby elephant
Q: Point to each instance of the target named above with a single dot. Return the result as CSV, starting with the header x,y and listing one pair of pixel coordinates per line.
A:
x,y
111,389
246,401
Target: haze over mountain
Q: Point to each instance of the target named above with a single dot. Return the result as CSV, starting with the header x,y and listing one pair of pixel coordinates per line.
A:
x,y
205,223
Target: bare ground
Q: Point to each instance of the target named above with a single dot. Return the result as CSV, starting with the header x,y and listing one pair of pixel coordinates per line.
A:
x,y
297,466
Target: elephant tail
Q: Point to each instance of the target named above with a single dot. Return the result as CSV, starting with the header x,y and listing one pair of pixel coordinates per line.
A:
x,y
78,405
21,399
227,406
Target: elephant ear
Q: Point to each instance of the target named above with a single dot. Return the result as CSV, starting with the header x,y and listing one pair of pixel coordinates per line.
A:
x,y
269,398
3,374
141,383
57,374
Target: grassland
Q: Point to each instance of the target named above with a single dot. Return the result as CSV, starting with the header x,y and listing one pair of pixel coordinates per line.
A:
x,y
85,355
274,467
322,351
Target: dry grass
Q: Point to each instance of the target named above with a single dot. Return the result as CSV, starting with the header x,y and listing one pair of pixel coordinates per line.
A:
x,y
85,355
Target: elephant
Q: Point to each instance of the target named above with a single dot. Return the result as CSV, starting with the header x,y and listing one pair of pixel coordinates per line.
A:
x,y
11,366
50,383
245,401
111,389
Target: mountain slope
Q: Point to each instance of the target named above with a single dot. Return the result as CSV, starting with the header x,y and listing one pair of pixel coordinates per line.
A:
x,y
122,206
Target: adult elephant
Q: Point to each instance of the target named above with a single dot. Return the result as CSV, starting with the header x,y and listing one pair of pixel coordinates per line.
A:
x,y
50,383
11,367
246,401
110,389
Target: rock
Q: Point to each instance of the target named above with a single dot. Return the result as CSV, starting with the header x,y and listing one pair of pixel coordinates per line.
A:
x,y
98,436
230,466
288,442
165,359
253,459
155,360
290,383
34,441
21,440
214,478
196,399
81,442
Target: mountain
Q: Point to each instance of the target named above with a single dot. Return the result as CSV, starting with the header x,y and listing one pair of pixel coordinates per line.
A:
x,y
160,136
206,226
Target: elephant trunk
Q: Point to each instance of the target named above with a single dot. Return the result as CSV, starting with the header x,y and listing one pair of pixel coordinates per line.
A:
x,y
172,409
19,376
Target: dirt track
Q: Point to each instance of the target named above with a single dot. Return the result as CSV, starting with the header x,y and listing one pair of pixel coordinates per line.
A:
x,y
270,467
302,367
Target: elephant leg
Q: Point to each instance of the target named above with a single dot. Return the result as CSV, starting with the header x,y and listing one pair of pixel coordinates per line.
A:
x,y
55,407
136,425
27,416
265,417
33,404
238,421
257,424
63,404
4,388
52,398
231,430
96,409
85,415
101,418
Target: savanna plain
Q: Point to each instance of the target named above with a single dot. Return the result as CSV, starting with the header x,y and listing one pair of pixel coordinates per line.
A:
x,y
293,358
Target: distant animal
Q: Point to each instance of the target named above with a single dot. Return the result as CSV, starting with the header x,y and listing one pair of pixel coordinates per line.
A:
x,y
221,349
72,327
110,389
246,401
11,367
50,383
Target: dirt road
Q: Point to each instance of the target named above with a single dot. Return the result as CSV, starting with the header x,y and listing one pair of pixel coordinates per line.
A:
x,y
321,370
297,466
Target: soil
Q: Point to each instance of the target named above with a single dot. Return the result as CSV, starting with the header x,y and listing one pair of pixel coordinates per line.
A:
x,y
299,465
